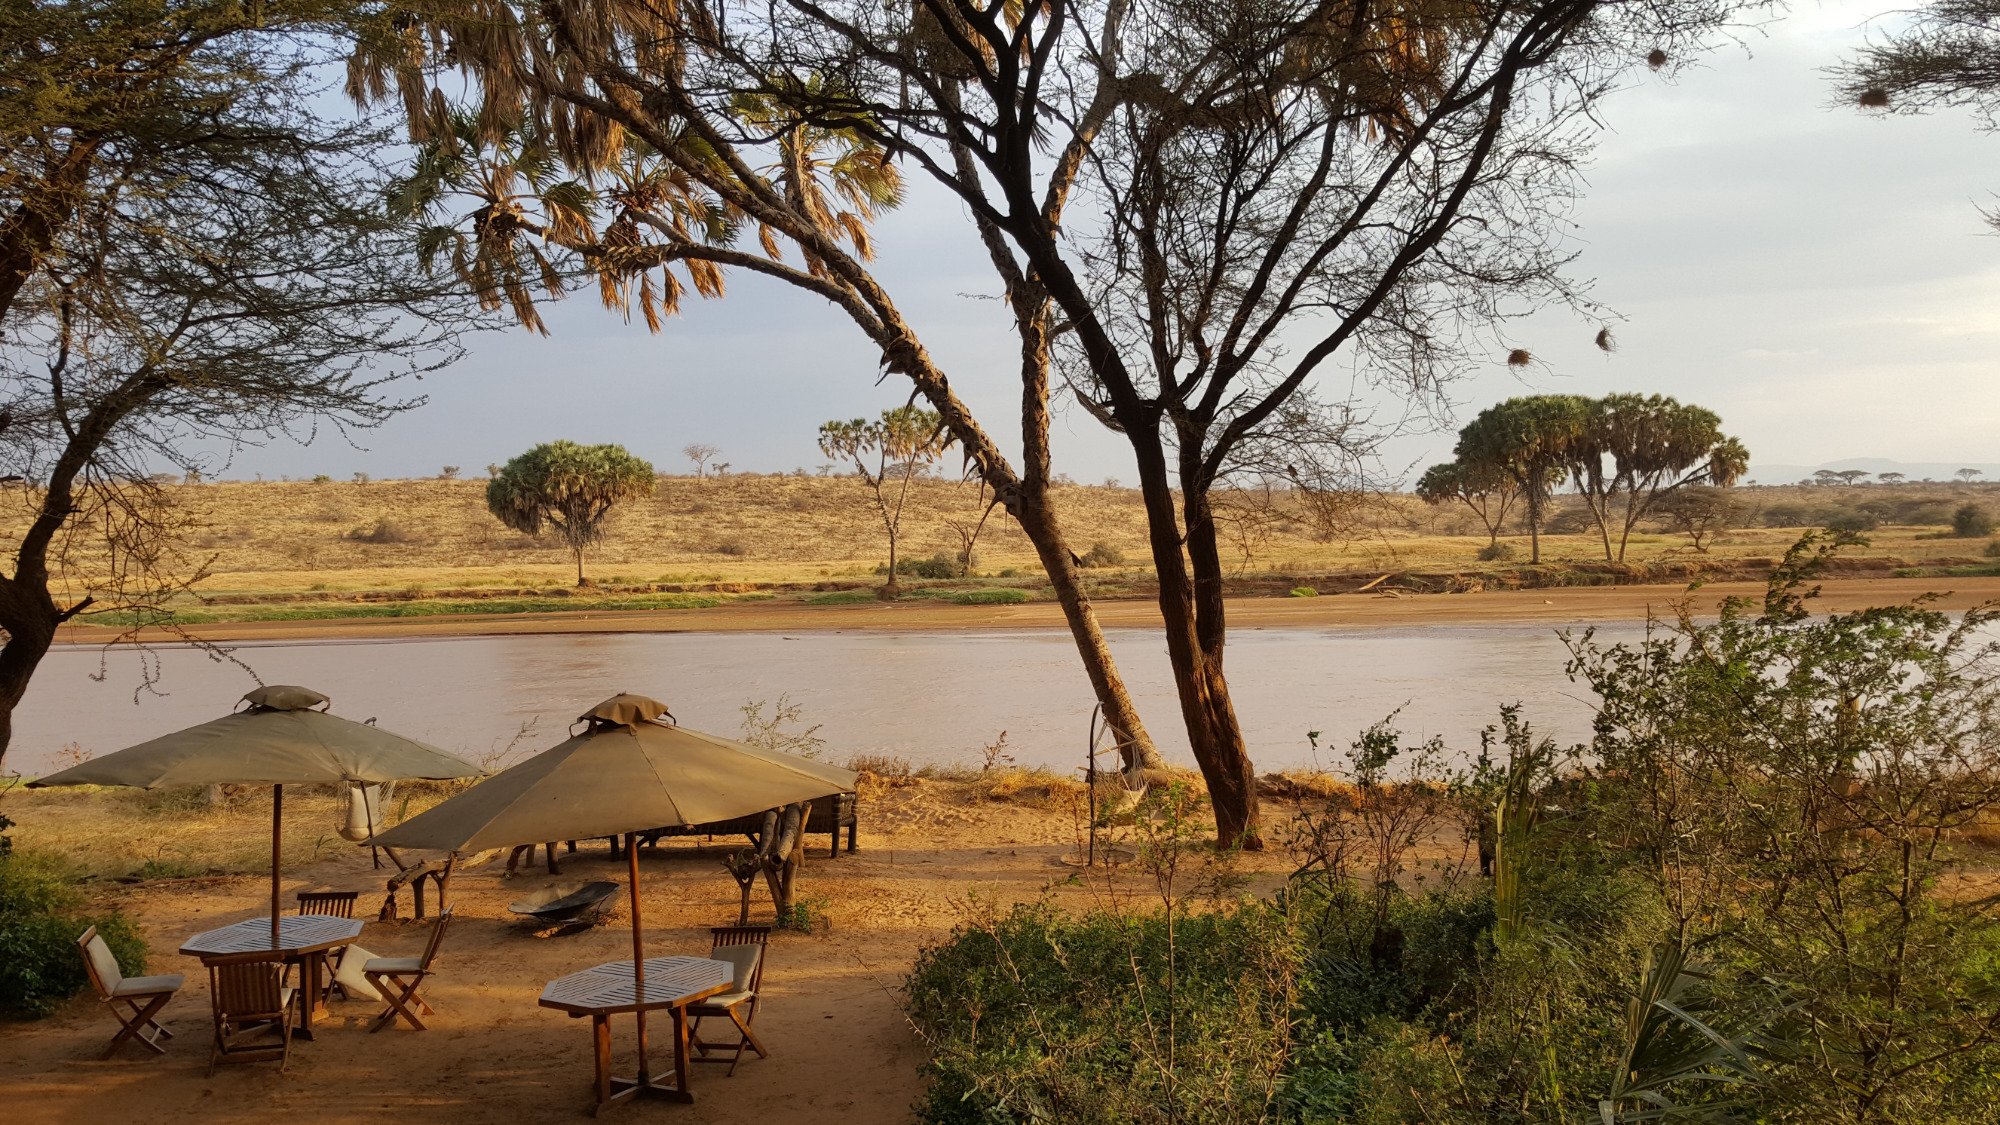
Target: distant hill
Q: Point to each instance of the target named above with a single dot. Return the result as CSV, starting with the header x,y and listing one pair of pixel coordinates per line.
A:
x,y
1912,470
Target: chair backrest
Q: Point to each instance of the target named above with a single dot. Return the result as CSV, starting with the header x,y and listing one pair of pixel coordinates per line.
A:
x,y
99,963
338,904
743,947
247,987
747,961
437,938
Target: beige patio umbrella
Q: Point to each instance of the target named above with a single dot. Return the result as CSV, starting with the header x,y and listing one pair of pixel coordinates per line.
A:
x,y
284,737
626,772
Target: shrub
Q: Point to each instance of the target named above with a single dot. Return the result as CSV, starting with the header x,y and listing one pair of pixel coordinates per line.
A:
x,y
1002,595
1569,521
1103,554
733,548
41,916
1037,1015
384,530
1993,549
1787,515
1497,552
1971,521
1304,592
1851,523
938,566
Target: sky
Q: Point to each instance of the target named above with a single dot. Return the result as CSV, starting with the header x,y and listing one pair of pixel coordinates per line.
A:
x,y
1821,278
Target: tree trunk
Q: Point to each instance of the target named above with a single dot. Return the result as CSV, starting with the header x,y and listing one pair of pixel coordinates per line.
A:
x,y
1534,528
580,580
30,619
1038,521
891,590
1195,639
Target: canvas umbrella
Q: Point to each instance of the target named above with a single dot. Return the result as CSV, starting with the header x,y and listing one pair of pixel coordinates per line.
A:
x,y
628,771
284,737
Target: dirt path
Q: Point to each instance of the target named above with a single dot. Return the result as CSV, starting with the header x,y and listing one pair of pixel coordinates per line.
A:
x,y
1570,604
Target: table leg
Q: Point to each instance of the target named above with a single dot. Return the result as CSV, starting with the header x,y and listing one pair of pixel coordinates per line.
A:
x,y
600,1034
682,1069
313,1004
644,1083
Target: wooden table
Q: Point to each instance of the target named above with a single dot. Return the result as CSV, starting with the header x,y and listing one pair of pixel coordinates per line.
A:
x,y
304,938
672,983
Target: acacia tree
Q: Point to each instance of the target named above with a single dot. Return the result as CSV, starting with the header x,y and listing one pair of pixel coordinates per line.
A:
x,y
161,319
1527,441
1489,492
700,454
888,453
544,177
570,488
1634,450
1269,187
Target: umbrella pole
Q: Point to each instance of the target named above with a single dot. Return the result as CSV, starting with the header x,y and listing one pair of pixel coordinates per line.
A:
x,y
277,850
638,951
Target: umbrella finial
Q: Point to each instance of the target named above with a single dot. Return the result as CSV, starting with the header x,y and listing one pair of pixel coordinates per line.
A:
x,y
284,697
626,710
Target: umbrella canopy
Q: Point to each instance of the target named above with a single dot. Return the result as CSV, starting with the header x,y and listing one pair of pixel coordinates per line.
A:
x,y
626,772
284,737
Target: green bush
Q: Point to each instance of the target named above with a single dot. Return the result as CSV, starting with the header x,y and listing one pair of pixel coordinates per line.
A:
x,y
1851,523
1103,554
938,566
1971,521
999,595
1040,1016
41,916
1304,592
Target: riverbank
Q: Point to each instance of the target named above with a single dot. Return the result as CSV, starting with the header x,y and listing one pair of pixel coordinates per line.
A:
x,y
1554,606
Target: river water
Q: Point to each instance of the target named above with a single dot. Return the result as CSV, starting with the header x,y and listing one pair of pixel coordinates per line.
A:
x,y
928,697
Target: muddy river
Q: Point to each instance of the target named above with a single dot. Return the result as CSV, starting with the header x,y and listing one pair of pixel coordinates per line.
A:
x,y
928,697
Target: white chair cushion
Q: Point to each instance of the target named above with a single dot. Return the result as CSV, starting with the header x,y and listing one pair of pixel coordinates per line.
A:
x,y
723,1000
392,965
741,957
147,986
347,972
103,964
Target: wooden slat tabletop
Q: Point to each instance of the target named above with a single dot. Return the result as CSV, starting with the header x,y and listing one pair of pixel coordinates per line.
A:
x,y
297,933
670,981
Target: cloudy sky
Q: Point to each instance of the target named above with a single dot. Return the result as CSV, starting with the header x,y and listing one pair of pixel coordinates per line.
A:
x,y
1822,279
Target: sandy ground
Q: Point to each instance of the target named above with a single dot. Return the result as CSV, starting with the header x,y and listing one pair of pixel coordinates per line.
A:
x,y
1571,604
842,1049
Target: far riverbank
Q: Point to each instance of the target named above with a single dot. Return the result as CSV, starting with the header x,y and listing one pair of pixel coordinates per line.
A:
x,y
1555,606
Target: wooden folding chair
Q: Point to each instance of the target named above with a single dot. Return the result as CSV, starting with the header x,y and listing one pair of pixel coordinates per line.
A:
x,y
339,904
251,1000
398,978
743,947
141,998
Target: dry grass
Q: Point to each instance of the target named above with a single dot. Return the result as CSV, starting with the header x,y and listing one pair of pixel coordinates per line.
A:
x,y
413,540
